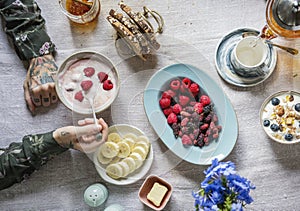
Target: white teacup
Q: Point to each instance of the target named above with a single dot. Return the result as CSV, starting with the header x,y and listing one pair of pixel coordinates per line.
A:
x,y
248,56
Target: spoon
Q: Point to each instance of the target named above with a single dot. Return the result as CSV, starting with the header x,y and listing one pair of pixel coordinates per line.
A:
x,y
90,98
292,51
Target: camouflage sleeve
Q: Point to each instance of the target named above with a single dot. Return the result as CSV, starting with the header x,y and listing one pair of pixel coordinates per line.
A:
x,y
25,27
19,160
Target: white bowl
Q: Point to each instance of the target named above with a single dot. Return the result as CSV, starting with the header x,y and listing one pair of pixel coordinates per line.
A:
x,y
71,74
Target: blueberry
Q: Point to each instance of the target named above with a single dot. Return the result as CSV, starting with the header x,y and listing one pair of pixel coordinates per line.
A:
x,y
297,107
274,127
288,137
275,101
266,123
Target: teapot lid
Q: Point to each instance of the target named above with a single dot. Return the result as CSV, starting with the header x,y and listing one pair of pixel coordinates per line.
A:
x,y
287,14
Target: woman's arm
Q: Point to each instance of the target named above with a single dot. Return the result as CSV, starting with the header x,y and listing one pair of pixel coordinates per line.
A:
x,y
25,27
19,160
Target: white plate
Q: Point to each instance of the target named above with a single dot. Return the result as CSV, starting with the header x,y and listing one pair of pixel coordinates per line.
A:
x,y
226,115
123,129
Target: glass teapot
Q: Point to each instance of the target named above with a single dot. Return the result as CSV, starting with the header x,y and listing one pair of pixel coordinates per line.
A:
x,y
283,19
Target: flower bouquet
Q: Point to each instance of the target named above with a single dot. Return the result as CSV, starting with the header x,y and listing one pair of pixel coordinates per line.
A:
x,y
223,189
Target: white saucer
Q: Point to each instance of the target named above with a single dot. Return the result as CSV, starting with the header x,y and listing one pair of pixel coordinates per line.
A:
x,y
225,68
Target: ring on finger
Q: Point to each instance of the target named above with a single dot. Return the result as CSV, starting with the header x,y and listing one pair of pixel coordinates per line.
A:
x,y
99,137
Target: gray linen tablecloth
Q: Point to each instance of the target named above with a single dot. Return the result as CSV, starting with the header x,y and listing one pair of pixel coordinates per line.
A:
x,y
192,32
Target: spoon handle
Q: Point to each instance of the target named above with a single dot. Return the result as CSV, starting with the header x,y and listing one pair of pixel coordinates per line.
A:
x,y
99,136
292,51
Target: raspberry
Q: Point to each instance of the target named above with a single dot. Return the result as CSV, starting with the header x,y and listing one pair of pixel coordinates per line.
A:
x,y
187,82
184,122
79,96
102,76
89,71
205,100
168,94
177,108
198,107
183,100
172,118
171,93
175,84
164,103
192,137
194,88
107,85
167,111
215,136
184,88
204,127
186,140
86,85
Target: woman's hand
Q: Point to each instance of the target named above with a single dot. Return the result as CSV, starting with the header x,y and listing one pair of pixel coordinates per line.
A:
x,y
39,85
84,137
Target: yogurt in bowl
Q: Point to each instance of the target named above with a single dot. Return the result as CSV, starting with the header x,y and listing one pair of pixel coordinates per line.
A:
x,y
87,75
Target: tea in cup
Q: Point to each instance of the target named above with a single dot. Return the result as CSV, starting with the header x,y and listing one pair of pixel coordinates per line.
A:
x,y
249,56
81,11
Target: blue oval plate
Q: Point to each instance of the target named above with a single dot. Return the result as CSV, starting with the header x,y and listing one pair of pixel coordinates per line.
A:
x,y
227,118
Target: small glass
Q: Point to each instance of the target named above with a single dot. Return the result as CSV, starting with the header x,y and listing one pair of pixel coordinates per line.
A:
x,y
83,11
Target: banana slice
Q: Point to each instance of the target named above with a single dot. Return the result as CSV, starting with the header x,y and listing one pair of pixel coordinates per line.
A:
x,y
114,171
144,139
125,168
114,137
142,144
102,159
138,159
109,149
115,160
124,150
130,162
130,142
131,136
141,151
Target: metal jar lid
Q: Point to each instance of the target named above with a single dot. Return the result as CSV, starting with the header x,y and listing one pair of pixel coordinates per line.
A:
x,y
287,14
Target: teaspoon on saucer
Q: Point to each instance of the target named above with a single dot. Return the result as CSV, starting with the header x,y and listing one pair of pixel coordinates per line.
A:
x,y
292,51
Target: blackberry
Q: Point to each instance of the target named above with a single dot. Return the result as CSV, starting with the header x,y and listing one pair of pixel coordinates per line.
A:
x,y
176,129
208,118
174,101
201,144
189,109
207,109
179,118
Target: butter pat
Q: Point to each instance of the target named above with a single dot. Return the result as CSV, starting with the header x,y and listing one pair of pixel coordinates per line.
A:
x,y
157,194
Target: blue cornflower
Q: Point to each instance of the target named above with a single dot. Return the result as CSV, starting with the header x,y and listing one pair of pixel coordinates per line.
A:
x,y
223,189
236,207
